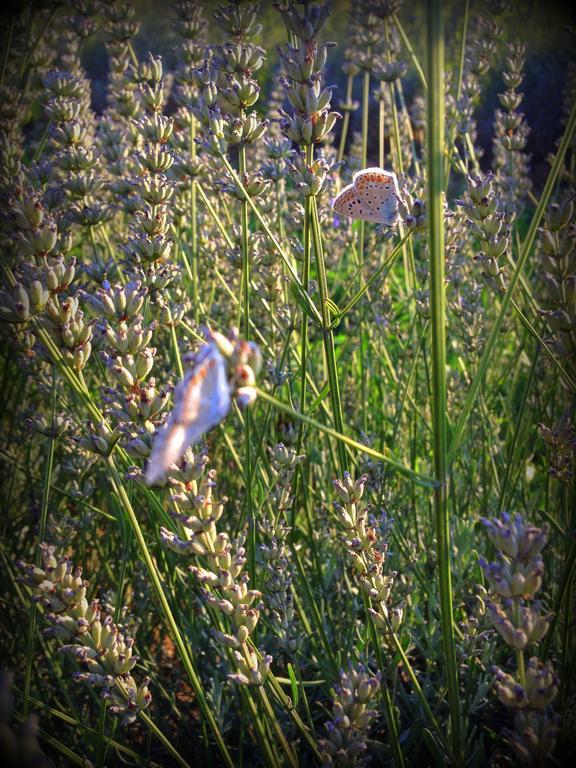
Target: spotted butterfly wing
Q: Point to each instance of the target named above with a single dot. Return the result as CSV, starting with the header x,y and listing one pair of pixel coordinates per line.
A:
x,y
378,189
201,401
349,203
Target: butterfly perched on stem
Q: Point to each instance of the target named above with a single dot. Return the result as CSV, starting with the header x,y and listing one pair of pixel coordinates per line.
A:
x,y
372,196
221,370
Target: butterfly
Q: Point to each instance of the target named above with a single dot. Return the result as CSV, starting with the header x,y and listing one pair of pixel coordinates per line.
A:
x,y
372,196
201,400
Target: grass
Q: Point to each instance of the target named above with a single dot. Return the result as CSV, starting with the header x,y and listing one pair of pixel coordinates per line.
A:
x,y
347,566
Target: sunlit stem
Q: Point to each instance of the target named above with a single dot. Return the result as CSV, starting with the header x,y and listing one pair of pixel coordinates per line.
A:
x,y
409,267
194,228
346,121
327,335
305,284
365,116
381,128
435,161
245,254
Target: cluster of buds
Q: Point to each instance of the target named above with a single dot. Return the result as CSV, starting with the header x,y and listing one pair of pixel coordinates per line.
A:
x,y
68,330
346,743
222,578
283,461
412,209
474,646
73,182
511,134
514,579
150,247
119,22
117,137
142,404
481,50
139,163
367,552
228,88
278,589
311,120
42,208
558,254
42,279
190,25
268,274
464,291
561,443
368,25
134,403
253,184
89,636
99,439
85,21
489,224
310,178
278,149
278,597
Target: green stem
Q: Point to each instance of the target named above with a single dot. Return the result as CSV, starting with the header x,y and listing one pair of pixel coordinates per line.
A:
x,y
164,740
217,220
346,121
519,423
461,60
389,712
416,477
274,241
570,383
520,667
409,266
417,687
132,54
410,50
194,228
307,247
100,736
435,162
42,142
365,118
246,329
273,720
327,335
383,268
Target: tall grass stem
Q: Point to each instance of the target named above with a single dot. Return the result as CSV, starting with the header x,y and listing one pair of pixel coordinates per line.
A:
x,y
435,168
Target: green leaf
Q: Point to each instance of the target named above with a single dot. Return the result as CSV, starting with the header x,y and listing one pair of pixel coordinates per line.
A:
x,y
293,684
321,396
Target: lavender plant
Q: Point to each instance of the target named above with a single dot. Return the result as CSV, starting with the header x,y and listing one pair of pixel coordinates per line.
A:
x,y
515,578
93,639
167,173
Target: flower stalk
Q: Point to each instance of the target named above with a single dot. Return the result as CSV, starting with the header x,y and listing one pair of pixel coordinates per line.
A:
x,y
435,168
